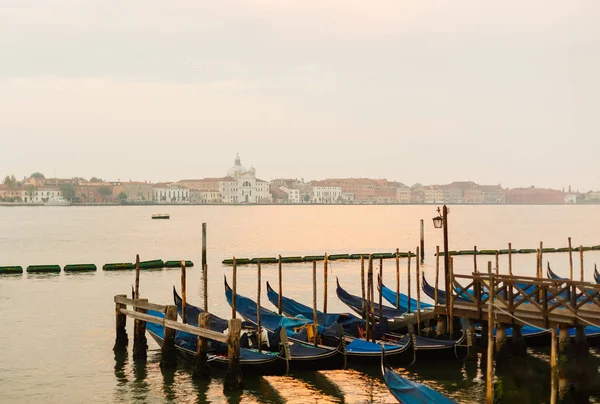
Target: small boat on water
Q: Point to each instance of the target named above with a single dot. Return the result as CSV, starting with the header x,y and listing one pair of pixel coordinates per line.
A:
x,y
596,274
161,216
407,391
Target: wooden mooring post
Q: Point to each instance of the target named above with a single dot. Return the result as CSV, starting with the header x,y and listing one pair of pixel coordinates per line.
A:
x,y
422,245
418,295
450,297
136,294
371,303
553,366
409,283
203,244
368,303
168,359
140,343
315,318
201,368
258,319
121,340
325,262
490,348
380,284
280,286
570,259
362,286
397,278
233,377
437,274
234,289
474,258
581,261
183,293
510,259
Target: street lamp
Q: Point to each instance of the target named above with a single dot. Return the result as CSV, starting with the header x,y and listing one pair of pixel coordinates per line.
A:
x,y
441,221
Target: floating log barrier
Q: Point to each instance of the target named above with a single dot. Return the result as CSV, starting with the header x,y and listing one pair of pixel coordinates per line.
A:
x,y
596,247
177,264
264,260
43,268
466,252
310,258
487,252
335,257
11,270
384,255
527,250
80,268
508,251
291,259
118,266
238,261
153,264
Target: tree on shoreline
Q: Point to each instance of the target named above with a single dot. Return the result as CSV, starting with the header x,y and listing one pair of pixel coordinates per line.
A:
x,y
10,181
68,191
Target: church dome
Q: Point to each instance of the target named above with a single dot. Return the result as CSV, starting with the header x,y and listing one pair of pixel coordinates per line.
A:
x,y
252,170
237,169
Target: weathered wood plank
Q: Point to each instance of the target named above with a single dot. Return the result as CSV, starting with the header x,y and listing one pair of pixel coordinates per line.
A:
x,y
142,304
216,336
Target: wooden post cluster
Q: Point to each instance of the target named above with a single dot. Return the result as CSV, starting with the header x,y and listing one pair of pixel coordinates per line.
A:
x,y
121,340
140,343
233,377
168,359
371,303
201,368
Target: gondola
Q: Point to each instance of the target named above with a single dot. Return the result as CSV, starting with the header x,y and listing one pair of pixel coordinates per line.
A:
x,y
426,348
357,303
596,275
390,296
252,362
358,351
407,391
302,355
551,275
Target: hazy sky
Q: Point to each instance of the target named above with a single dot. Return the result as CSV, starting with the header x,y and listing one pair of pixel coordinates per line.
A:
x,y
415,91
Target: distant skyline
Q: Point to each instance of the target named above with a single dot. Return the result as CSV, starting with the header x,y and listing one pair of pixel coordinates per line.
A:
x,y
493,92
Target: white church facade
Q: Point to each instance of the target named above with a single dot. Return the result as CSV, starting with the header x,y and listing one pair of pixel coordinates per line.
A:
x,y
242,186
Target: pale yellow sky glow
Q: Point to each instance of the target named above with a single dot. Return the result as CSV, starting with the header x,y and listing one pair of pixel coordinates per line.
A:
x,y
496,92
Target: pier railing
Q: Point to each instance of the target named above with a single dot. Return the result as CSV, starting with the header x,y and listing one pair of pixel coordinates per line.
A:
x,y
534,300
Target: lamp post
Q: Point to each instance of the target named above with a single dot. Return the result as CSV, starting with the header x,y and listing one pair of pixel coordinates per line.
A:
x,y
439,222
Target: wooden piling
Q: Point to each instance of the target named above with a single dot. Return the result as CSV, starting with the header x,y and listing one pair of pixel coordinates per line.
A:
x,y
368,302
371,303
490,348
233,289
541,274
325,283
233,377
553,366
510,259
380,284
258,322
168,358
280,291
397,278
437,273
409,283
362,287
422,245
203,244
140,343
581,261
563,342
204,269
474,258
201,368
450,297
500,337
183,293
418,295
497,263
315,318
570,259
137,277
121,340
472,353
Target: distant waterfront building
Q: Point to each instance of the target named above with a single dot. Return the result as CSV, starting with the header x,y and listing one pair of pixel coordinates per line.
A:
x,y
473,195
433,194
14,194
592,196
347,197
534,196
136,191
363,189
170,192
242,186
45,194
570,198
293,195
324,193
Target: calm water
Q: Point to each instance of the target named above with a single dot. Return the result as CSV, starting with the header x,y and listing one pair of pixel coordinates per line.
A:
x,y
58,330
